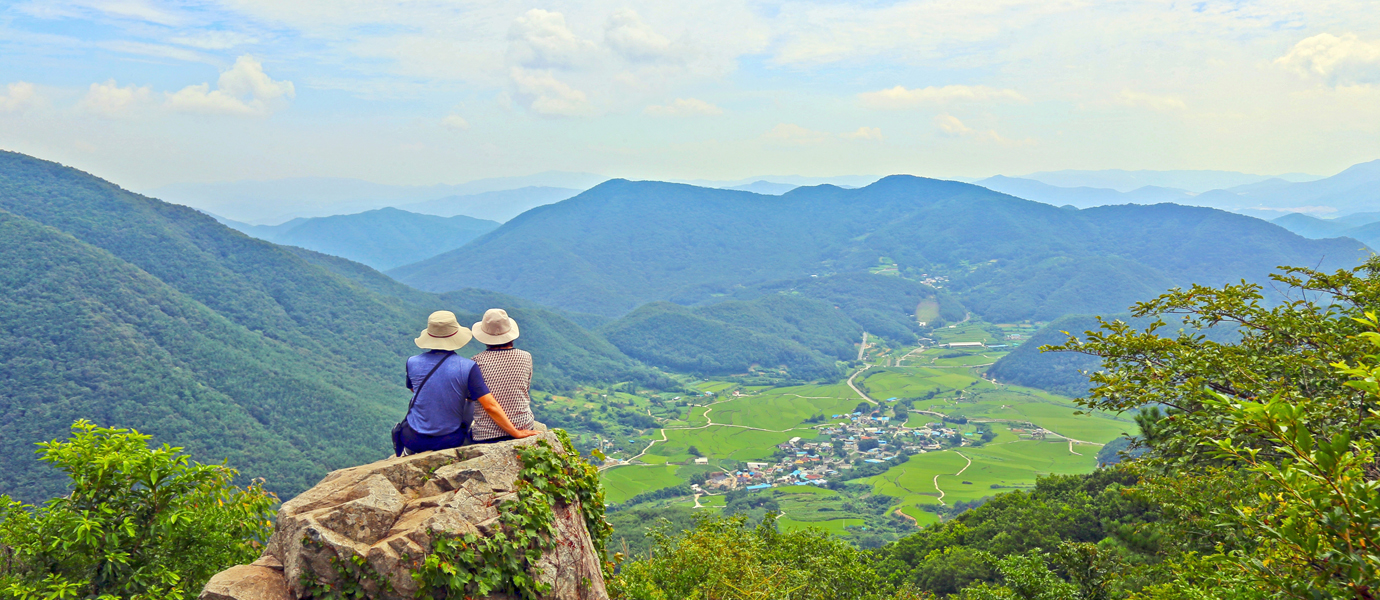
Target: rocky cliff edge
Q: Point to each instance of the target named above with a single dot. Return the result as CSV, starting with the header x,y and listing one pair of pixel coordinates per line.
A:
x,y
371,527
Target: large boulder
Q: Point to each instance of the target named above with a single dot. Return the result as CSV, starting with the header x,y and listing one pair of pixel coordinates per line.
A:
x,y
388,513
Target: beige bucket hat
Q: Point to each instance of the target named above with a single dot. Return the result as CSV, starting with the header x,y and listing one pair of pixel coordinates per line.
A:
x,y
496,328
443,332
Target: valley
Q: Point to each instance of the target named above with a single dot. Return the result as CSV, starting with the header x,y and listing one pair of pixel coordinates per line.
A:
x,y
928,436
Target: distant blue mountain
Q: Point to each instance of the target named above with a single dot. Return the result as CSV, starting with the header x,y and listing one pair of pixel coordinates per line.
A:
x,y
382,239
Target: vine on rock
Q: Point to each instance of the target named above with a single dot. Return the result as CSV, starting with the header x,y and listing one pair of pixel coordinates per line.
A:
x,y
469,565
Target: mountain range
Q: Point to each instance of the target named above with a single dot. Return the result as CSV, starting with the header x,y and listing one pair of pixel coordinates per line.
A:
x,y
623,244
383,238
275,201
133,312
1355,189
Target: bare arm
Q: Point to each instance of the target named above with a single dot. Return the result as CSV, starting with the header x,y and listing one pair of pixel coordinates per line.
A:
x,y
501,418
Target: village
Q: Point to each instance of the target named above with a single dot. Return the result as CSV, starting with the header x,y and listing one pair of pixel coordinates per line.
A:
x,y
848,442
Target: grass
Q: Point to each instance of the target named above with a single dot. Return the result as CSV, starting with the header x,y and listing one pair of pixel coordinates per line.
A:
x,y
778,411
622,483
927,311
721,442
834,526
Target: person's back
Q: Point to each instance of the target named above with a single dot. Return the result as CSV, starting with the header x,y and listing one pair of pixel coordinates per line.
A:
x,y
508,372
445,404
445,388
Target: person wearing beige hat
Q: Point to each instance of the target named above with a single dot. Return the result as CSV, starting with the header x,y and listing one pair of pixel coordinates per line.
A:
x,y
445,386
508,372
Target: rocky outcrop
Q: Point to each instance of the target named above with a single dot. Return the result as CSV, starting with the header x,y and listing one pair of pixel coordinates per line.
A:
x,y
388,513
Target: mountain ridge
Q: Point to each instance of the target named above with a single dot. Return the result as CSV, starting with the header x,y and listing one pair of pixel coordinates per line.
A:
x,y
623,244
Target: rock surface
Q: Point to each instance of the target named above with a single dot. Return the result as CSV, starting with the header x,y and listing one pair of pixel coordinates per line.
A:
x,y
388,513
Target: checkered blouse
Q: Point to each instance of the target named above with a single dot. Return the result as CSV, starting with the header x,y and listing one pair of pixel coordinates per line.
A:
x,y
509,375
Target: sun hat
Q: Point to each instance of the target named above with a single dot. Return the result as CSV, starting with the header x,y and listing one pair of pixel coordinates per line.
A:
x,y
443,332
496,328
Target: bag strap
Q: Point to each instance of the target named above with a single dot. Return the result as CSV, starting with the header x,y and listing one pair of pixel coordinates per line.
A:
x,y
418,391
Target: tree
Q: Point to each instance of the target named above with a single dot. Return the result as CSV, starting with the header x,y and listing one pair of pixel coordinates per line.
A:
x,y
1265,455
693,451
139,522
724,558
867,443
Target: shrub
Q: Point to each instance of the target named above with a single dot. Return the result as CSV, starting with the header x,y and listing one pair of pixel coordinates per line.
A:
x,y
139,522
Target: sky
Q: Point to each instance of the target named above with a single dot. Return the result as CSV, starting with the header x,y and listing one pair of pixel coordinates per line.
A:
x,y
149,93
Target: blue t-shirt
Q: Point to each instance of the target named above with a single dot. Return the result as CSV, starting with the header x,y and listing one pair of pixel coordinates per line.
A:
x,y
444,404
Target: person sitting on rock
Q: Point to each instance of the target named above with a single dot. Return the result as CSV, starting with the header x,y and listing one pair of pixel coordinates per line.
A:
x,y
445,387
508,372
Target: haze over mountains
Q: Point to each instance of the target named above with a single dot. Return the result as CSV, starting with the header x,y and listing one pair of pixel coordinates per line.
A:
x,y
382,238
1353,190
623,244
132,311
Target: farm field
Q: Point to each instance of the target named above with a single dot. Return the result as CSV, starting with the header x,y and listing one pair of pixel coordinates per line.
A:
x,y
1027,435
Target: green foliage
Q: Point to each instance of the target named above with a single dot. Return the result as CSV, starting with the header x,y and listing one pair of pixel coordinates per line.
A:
x,y
1264,461
726,559
733,337
139,522
1091,508
504,561
123,309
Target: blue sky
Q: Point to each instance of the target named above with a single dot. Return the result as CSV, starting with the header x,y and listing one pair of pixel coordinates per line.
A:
x,y
149,93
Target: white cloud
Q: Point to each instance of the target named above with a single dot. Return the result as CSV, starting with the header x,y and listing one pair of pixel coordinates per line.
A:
x,y
864,133
790,133
20,96
110,100
540,39
156,51
135,10
953,127
901,97
683,107
243,90
214,40
1338,59
545,95
1156,103
455,122
635,40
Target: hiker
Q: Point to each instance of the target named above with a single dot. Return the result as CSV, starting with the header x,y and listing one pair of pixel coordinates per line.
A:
x,y
445,387
509,374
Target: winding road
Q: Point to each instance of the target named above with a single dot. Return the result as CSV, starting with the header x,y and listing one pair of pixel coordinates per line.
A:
x,y
960,472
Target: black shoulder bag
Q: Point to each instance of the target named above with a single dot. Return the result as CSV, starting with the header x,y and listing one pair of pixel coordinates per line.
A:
x,y
397,429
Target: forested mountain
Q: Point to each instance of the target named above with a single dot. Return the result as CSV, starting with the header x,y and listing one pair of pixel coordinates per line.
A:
x,y
382,239
133,312
1064,372
805,336
1360,226
625,243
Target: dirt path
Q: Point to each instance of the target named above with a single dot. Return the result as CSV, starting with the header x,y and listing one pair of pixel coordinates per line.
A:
x,y
960,472
710,423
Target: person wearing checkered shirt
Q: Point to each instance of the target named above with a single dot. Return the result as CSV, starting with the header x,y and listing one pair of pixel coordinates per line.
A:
x,y
508,372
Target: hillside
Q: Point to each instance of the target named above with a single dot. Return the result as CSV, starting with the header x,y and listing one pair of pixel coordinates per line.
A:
x,y
138,313
623,244
382,239
1063,372
803,336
